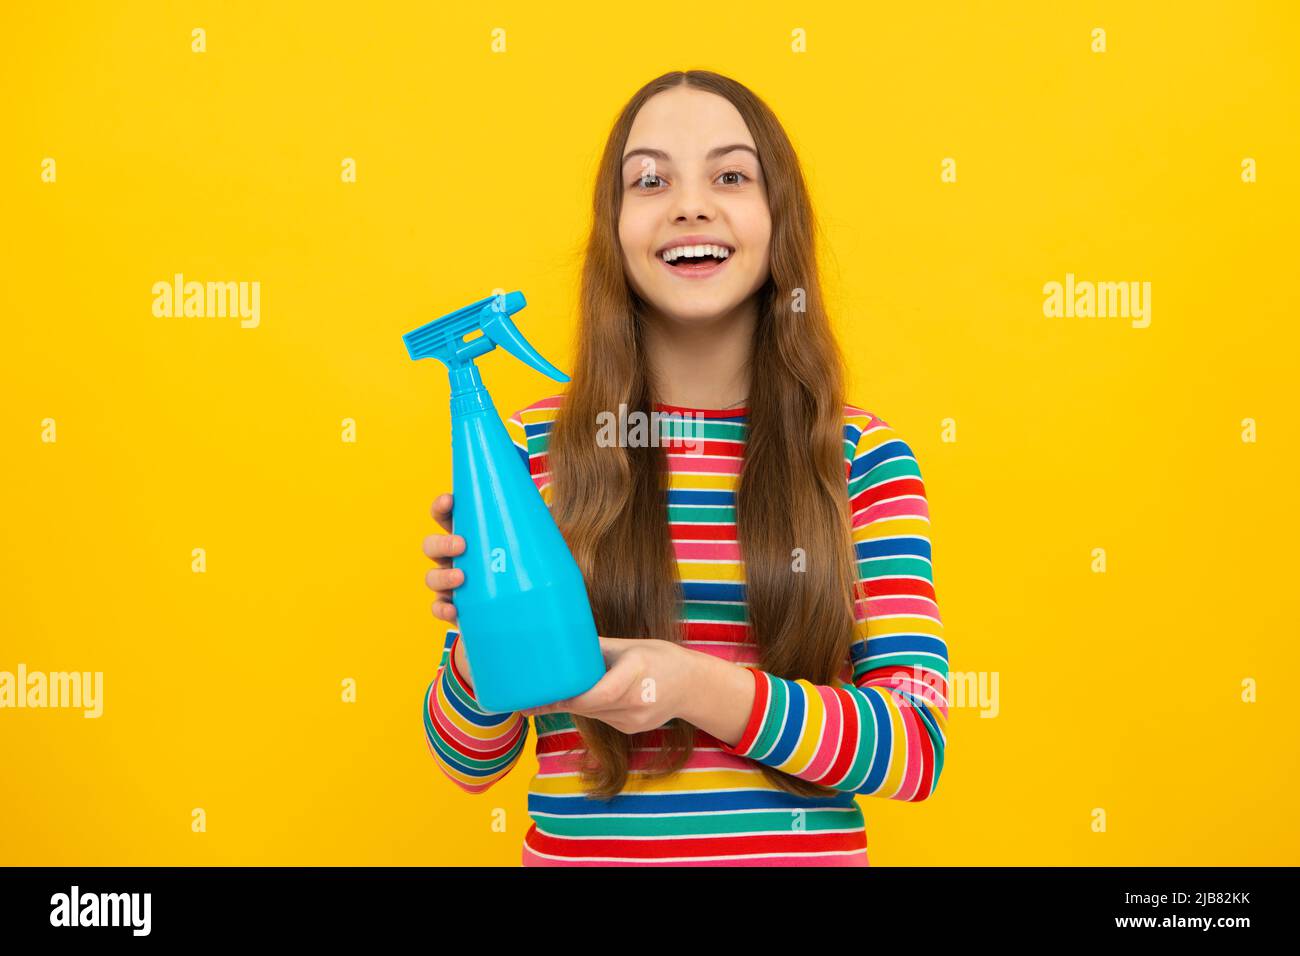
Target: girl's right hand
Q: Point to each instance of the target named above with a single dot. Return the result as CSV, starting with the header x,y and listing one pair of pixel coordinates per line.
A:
x,y
441,548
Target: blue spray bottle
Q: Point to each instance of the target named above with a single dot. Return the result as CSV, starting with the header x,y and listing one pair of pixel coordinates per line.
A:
x,y
523,610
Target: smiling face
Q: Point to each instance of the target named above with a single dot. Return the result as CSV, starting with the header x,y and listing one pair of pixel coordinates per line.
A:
x,y
691,176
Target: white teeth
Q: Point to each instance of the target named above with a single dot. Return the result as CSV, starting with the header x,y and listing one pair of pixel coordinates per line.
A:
x,y
676,252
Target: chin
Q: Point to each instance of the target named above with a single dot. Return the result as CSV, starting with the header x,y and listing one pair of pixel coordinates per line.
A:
x,y
699,306
697,312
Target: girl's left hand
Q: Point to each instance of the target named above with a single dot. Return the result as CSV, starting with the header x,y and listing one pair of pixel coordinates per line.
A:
x,y
647,682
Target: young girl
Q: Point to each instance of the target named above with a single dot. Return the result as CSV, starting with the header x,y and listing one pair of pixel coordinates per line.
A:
x,y
774,644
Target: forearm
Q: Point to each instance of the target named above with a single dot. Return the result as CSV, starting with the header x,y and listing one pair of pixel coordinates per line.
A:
x,y
472,746
719,698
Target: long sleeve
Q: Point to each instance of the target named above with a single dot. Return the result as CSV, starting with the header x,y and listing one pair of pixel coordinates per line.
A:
x,y
884,734
474,747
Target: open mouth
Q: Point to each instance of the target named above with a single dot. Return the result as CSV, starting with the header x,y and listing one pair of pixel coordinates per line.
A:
x,y
696,260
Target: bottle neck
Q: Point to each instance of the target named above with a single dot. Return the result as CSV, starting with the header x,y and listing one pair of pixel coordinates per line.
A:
x,y
468,396
465,379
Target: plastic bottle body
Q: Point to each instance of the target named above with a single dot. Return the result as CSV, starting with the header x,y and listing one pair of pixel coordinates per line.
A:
x,y
523,610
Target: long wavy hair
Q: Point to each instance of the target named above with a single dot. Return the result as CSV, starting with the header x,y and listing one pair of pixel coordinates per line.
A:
x,y
610,502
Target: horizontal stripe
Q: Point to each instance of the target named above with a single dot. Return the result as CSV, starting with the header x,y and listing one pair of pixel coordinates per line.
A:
x,y
879,730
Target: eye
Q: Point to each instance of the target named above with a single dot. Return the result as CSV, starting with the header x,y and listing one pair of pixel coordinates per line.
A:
x,y
647,183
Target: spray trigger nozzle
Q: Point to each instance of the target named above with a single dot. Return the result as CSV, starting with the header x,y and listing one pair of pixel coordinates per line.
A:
x,y
444,338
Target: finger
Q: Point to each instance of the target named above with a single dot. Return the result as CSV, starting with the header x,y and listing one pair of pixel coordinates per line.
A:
x,y
443,580
442,547
445,611
611,648
559,707
441,510
607,692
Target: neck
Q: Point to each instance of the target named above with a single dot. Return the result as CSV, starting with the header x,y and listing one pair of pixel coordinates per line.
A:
x,y
701,363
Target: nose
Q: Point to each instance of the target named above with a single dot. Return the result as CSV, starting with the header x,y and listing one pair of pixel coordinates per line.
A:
x,y
692,202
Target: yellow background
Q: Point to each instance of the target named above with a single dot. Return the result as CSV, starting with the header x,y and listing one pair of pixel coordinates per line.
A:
x,y
1119,691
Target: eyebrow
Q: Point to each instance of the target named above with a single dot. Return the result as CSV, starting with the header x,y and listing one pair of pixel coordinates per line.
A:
x,y
712,154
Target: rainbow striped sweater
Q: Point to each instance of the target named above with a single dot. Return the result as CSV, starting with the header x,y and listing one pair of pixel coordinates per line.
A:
x,y
879,730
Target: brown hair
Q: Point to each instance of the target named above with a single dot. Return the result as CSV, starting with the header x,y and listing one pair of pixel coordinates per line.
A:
x,y
610,502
